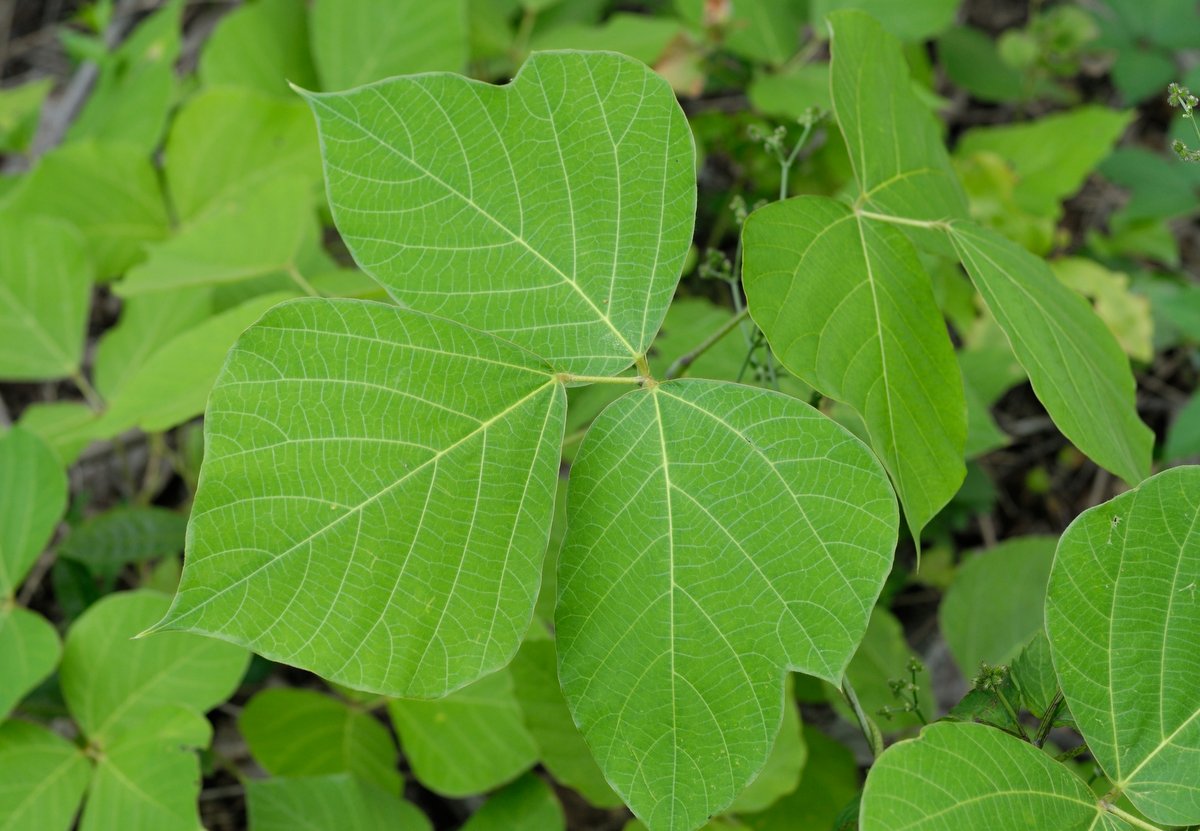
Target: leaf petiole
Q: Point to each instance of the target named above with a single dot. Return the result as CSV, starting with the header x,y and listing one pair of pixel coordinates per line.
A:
x,y
1128,817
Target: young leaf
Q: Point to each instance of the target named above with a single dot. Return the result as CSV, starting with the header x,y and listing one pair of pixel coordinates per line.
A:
x,y
110,192
718,535
359,41
881,658
35,495
1123,629
996,602
261,45
848,308
470,741
957,776
555,211
111,682
29,652
322,802
1074,363
44,298
296,733
362,511
148,777
525,805
893,141
42,778
275,139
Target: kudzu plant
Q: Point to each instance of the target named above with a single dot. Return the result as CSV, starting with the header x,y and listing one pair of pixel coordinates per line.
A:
x,y
379,481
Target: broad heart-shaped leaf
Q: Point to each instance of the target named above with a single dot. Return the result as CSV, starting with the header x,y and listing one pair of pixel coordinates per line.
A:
x,y
42,778
319,803
468,742
365,513
996,602
893,141
358,41
45,291
148,777
971,776
718,535
35,495
1121,615
294,732
112,682
847,306
29,651
554,211
1075,364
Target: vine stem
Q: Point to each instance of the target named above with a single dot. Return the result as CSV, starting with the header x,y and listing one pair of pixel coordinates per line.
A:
x,y
687,359
89,392
1128,817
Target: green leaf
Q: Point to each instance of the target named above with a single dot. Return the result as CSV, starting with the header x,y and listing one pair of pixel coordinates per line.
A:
x,y
712,543
526,805
761,30
1123,629
123,535
332,529
42,778
275,139
555,211
1052,156
35,496
830,780
262,45
112,682
791,91
970,59
882,657
298,733
1033,672
1075,364
1183,439
781,773
637,35
65,426
173,385
148,777
29,652
913,20
319,803
471,741
20,107
147,324
136,88
1126,314
358,41
894,144
256,233
995,604
868,333
956,776
44,298
562,749
110,192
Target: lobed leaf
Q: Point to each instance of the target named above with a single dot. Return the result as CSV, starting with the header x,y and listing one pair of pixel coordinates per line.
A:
x,y
1125,638
1075,364
555,211
718,535
363,512
847,306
